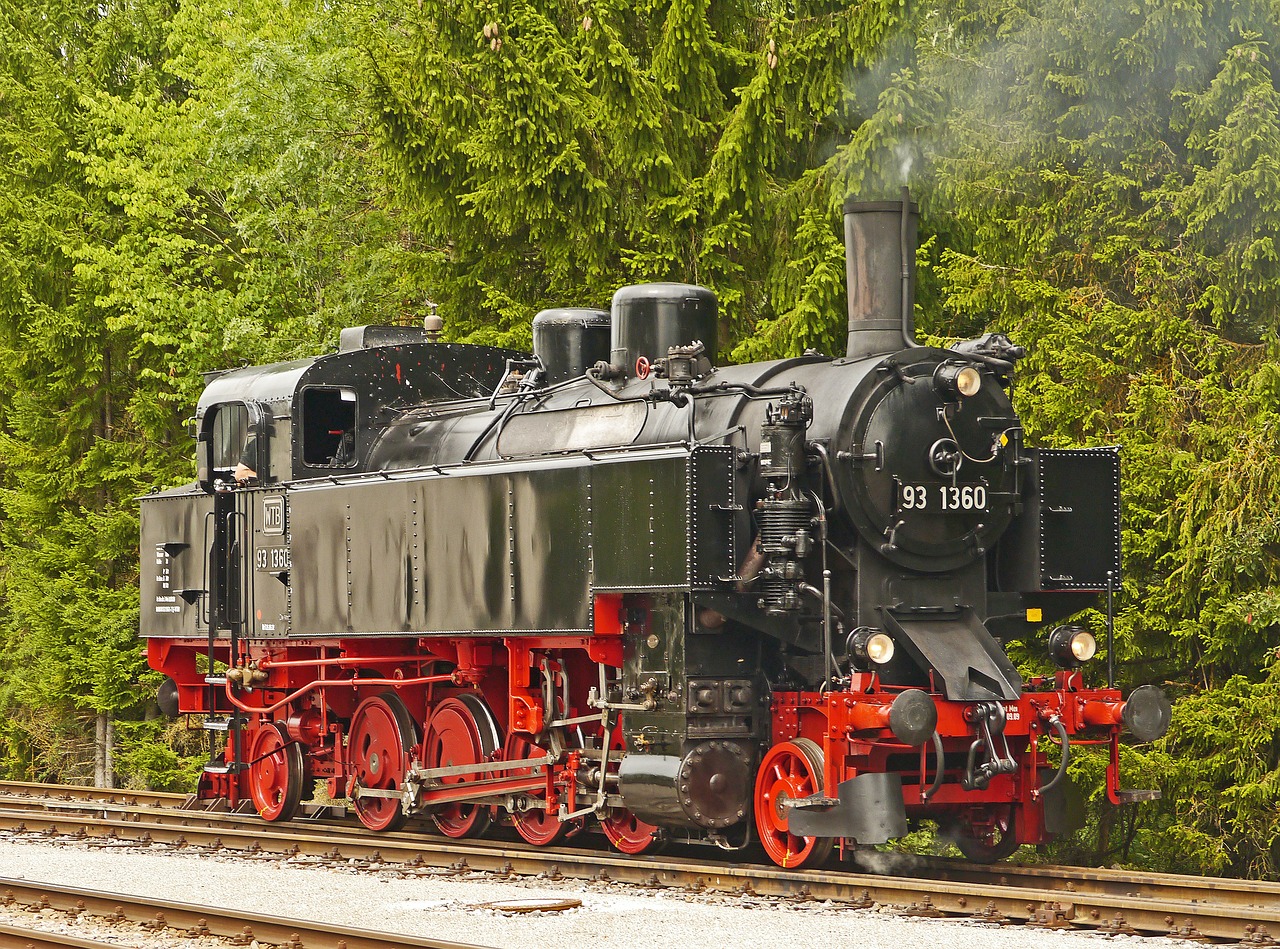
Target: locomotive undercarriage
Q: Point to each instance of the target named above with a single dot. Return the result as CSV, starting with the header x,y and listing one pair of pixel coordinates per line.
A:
x,y
837,774
465,731
504,727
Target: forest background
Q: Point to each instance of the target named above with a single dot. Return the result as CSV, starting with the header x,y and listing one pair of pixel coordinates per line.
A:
x,y
186,184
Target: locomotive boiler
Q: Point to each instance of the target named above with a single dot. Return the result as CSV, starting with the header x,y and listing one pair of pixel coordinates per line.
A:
x,y
617,583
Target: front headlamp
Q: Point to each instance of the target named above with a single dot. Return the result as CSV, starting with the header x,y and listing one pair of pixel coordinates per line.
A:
x,y
1070,646
871,645
954,380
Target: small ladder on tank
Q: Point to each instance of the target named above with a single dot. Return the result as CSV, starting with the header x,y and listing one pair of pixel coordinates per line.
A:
x,y
215,724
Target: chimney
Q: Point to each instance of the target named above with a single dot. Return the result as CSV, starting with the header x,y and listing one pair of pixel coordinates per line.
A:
x,y
880,257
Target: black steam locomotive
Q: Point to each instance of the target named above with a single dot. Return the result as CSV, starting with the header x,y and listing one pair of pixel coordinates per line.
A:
x,y
614,582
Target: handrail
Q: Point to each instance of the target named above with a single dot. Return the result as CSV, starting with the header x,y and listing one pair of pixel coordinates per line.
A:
x,y
353,682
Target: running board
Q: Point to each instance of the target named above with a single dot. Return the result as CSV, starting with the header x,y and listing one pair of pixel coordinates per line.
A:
x,y
222,724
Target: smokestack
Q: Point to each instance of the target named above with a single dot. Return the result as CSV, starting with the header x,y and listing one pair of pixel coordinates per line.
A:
x,y
880,257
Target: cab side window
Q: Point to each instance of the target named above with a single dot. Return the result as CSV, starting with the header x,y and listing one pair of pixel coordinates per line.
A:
x,y
328,427
229,433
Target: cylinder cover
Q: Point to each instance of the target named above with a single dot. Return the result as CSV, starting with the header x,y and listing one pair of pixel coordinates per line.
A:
x,y
706,787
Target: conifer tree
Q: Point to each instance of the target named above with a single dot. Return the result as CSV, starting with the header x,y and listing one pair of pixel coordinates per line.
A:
x,y
1109,177
186,185
554,152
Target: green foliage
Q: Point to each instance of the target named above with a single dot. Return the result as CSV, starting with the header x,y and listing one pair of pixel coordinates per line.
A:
x,y
186,184
160,755
1220,768
555,152
1233,203
183,189
1120,224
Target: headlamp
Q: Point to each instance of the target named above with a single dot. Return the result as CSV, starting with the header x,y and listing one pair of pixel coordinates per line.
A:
x,y
1070,646
871,645
957,380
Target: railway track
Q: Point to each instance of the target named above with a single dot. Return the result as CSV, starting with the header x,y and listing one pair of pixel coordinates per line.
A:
x,y
1051,897
165,918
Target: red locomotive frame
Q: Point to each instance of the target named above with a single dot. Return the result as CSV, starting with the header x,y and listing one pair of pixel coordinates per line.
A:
x,y
294,696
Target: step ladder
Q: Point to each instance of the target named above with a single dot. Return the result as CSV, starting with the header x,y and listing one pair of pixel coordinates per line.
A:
x,y
223,561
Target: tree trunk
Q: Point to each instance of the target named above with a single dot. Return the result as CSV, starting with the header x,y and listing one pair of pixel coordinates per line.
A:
x,y
110,754
99,746
103,763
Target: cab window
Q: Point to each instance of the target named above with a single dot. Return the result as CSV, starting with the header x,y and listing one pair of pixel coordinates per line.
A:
x,y
228,433
328,427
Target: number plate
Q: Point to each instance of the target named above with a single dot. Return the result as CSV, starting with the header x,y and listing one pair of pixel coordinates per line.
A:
x,y
932,497
268,559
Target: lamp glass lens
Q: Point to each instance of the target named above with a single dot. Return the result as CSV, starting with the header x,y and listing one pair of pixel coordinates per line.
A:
x,y
968,381
880,648
1083,646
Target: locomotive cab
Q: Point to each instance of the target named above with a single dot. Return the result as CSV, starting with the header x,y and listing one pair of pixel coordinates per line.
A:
x,y
319,417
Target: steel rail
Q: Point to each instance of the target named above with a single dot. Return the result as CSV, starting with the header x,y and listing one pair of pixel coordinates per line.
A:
x,y
1071,881
1040,906
1066,882
187,919
1048,896
72,793
20,937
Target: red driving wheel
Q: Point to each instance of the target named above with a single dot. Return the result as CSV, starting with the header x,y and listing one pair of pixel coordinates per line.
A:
x,y
382,733
628,833
461,731
789,771
537,825
275,773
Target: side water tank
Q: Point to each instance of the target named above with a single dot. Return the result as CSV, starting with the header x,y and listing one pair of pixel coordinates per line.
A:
x,y
569,340
650,318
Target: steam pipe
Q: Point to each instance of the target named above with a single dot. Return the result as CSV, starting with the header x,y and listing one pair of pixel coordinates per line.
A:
x,y
908,330
940,755
321,683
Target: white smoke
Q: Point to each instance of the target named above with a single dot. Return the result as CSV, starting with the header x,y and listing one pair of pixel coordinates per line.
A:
x,y
906,161
889,864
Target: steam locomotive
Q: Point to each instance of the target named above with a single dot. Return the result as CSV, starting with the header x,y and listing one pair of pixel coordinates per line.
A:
x,y
616,583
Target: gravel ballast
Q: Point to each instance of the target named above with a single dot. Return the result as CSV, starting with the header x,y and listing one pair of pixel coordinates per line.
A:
x,y
612,916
